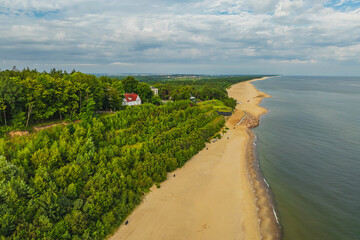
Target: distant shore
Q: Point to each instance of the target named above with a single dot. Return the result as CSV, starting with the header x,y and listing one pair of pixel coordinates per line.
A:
x,y
218,194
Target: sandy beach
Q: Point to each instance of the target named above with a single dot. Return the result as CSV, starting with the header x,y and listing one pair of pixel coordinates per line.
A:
x,y
218,194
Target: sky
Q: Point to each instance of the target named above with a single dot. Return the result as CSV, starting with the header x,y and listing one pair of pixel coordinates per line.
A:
x,y
291,37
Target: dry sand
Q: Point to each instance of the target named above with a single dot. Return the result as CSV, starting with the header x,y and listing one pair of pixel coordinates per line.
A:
x,y
217,194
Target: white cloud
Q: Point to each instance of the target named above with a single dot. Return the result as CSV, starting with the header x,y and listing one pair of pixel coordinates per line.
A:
x,y
288,8
298,61
121,64
216,33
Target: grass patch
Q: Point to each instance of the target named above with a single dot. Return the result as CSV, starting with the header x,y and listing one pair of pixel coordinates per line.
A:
x,y
216,104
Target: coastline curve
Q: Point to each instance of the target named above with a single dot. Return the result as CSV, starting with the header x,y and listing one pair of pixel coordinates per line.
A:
x,y
212,196
269,225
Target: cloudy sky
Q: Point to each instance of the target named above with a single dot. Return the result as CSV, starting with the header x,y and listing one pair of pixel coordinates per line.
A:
x,y
297,37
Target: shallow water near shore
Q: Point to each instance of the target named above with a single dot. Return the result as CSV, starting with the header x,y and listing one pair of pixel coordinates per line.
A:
x,y
308,146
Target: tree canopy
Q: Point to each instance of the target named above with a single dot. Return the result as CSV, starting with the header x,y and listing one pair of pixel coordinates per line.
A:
x,y
80,181
28,96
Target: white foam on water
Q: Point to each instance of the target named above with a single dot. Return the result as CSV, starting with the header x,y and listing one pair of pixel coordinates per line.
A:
x,y
277,220
266,182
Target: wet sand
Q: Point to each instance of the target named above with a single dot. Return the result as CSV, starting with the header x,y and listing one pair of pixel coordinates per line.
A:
x,y
218,194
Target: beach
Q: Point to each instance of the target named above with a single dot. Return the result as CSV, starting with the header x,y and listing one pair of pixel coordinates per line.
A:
x,y
218,194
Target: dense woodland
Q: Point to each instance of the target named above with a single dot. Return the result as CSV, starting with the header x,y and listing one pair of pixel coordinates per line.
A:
x,y
29,97
176,87
181,87
80,181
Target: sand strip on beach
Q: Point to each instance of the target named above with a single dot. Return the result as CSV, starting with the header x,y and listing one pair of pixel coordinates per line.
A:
x,y
218,194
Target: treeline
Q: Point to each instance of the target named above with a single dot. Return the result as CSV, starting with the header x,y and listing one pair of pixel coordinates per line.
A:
x,y
174,92
190,79
80,181
174,88
28,96
178,87
32,97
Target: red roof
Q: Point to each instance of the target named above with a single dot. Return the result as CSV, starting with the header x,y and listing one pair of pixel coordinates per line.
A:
x,y
130,97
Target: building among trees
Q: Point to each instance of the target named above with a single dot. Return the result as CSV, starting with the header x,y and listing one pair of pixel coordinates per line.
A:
x,y
155,90
131,99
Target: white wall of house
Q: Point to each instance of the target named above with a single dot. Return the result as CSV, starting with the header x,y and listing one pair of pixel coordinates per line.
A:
x,y
132,103
155,90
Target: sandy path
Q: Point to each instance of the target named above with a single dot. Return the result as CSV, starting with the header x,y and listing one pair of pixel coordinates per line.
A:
x,y
211,197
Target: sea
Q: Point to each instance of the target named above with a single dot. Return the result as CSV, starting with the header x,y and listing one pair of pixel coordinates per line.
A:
x,y
308,147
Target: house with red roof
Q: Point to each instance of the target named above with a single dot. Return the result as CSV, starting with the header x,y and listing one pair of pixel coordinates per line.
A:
x,y
131,99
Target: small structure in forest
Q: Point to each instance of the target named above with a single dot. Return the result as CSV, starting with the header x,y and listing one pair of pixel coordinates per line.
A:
x,y
155,90
131,99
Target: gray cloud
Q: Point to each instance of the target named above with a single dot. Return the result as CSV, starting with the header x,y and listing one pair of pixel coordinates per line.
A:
x,y
224,36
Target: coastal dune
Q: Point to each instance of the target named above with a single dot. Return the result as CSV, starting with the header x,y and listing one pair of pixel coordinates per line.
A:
x,y
218,194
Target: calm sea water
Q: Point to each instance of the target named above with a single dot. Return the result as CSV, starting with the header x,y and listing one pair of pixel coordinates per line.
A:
x,y
309,153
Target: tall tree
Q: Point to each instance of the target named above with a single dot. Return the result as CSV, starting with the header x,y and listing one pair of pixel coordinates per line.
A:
x,y
11,91
34,93
3,108
130,84
144,91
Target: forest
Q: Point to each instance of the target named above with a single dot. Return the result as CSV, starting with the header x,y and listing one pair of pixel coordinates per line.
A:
x,y
202,87
29,97
81,180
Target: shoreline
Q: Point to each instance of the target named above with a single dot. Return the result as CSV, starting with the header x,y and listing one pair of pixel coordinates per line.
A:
x,y
217,193
254,162
269,225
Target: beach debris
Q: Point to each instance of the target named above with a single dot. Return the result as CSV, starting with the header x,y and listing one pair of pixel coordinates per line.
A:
x,y
203,228
174,175
248,100
206,148
126,222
